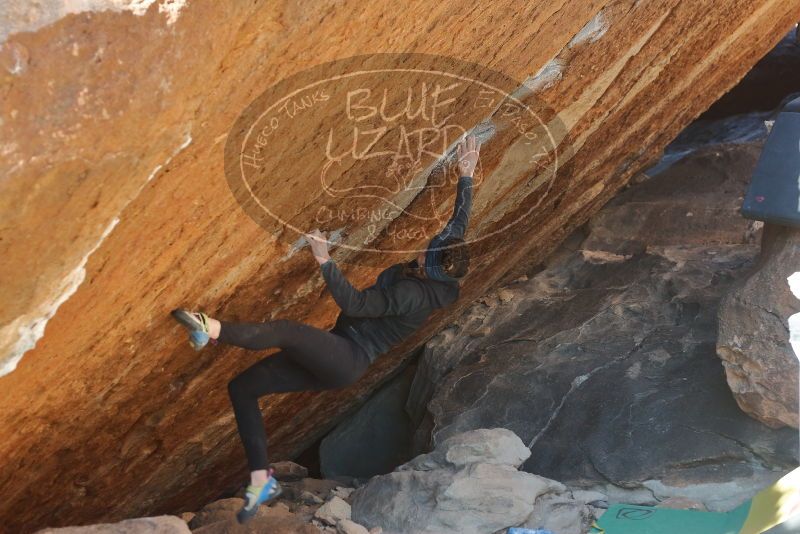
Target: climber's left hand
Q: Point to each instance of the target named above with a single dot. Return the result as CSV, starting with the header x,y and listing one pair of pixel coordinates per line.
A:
x,y
319,246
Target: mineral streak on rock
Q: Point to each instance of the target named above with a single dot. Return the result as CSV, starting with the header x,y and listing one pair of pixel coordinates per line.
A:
x,y
111,401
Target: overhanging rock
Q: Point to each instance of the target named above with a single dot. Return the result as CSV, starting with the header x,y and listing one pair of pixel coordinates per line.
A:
x,y
116,210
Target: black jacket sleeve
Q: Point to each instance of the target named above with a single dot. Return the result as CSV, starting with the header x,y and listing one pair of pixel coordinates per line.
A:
x,y
401,298
456,227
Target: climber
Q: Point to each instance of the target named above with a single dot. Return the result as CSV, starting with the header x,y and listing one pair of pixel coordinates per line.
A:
x,y
371,322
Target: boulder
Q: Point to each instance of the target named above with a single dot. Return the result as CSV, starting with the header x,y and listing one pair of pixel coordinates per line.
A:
x,y
461,487
754,341
604,363
486,446
165,524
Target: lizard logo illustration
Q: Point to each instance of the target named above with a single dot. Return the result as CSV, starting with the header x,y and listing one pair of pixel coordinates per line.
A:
x,y
364,148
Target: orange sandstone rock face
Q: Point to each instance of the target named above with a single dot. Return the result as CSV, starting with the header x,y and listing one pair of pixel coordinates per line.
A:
x,y
115,208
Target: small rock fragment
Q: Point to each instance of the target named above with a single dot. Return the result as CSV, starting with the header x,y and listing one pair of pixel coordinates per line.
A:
x,y
342,492
489,300
309,498
505,295
345,526
288,471
682,503
333,511
213,512
481,332
282,505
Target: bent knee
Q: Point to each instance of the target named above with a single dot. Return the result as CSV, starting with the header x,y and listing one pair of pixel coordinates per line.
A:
x,y
237,388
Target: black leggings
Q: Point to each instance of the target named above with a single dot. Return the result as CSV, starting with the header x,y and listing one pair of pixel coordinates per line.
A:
x,y
310,359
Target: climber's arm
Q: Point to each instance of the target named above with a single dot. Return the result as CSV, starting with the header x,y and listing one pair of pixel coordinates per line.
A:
x,y
401,298
398,299
456,227
368,303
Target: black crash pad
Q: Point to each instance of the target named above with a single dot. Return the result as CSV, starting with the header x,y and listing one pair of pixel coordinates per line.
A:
x,y
774,192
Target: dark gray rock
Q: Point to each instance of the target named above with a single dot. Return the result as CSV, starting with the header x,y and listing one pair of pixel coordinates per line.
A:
x,y
604,363
375,439
775,76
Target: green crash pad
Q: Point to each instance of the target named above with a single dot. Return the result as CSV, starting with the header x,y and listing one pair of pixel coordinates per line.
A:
x,y
631,519
772,506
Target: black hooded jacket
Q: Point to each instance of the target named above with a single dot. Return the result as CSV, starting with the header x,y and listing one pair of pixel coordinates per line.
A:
x,y
384,314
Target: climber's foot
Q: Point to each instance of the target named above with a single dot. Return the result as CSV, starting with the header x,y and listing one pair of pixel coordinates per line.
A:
x,y
256,496
196,323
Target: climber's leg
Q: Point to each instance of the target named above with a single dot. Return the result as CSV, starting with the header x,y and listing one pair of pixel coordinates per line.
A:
x,y
311,359
273,374
334,360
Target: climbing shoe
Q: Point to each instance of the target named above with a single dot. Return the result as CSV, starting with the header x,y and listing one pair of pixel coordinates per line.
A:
x,y
196,323
255,496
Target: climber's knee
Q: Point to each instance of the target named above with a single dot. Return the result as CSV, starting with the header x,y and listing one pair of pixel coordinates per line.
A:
x,y
236,388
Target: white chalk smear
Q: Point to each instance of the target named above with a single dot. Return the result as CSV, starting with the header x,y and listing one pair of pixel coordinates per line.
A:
x,y
30,330
546,77
552,72
172,8
18,17
186,142
591,32
334,238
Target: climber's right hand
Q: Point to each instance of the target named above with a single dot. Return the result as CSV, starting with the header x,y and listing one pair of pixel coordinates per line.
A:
x,y
467,152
